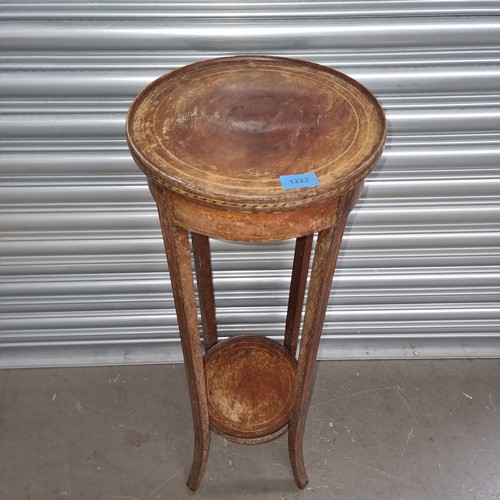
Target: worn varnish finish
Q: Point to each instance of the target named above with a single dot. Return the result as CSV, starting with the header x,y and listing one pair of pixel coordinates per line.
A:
x,y
250,383
213,138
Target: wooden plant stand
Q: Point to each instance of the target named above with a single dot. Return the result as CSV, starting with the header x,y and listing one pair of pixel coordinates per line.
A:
x,y
253,149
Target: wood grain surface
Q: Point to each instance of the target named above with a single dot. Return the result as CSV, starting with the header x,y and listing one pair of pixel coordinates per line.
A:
x,y
223,131
213,139
250,384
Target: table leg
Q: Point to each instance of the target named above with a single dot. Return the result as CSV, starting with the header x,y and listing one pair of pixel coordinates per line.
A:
x,y
179,262
203,266
325,258
303,246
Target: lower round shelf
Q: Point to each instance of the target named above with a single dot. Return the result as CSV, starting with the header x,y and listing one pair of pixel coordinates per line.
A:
x,y
250,382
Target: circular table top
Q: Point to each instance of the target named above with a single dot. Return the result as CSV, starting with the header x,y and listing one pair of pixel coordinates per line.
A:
x,y
250,385
255,133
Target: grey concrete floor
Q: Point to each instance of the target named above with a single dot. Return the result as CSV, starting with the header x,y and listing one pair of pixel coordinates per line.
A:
x,y
376,430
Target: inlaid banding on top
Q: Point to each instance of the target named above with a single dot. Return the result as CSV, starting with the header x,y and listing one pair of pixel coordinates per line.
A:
x,y
223,131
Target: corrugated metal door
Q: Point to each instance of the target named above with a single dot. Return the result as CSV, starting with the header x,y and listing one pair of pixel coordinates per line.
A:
x,y
82,265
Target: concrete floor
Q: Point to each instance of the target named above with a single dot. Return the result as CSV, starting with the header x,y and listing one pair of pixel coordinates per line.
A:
x,y
411,430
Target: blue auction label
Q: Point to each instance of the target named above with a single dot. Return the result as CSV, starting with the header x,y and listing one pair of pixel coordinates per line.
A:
x,y
299,181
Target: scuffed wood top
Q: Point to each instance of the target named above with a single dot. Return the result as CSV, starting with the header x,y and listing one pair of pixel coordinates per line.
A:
x,y
222,132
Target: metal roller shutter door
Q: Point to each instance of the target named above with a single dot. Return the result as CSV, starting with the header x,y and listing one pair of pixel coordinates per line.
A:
x,y
83,271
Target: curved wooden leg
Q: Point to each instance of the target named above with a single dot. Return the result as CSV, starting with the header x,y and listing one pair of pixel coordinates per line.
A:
x,y
179,262
325,259
203,266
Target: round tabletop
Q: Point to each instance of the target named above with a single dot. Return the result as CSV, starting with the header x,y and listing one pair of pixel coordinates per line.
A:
x,y
255,133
